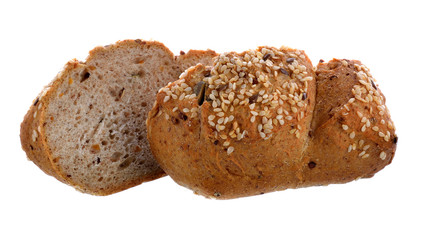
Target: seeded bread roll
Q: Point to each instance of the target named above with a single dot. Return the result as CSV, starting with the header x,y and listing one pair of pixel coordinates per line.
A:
x,y
238,129
353,135
252,123
87,127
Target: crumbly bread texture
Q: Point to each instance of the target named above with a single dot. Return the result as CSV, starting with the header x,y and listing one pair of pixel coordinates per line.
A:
x,y
261,121
88,126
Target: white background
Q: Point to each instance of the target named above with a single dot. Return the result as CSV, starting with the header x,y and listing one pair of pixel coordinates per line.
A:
x,y
38,37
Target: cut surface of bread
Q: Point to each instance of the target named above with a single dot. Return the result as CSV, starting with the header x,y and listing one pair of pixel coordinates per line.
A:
x,y
87,128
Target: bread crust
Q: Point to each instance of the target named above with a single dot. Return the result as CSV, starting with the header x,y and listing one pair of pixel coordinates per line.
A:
x,y
340,121
187,150
194,157
34,141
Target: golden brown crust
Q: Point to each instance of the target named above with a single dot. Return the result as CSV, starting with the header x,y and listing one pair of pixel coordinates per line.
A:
x,y
346,141
32,135
197,156
196,54
343,143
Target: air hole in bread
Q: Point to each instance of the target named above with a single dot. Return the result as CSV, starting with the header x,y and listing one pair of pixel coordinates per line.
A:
x,y
85,75
120,94
126,162
115,156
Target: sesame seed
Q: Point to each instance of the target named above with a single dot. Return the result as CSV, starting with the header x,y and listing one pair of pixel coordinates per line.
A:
x,y
375,128
359,114
279,111
345,127
34,135
186,110
350,148
366,147
352,135
262,135
211,117
166,98
383,155
381,134
182,96
230,150
220,120
254,113
252,119
363,128
175,109
260,127
214,104
306,79
226,143
362,153
220,114
289,118
226,119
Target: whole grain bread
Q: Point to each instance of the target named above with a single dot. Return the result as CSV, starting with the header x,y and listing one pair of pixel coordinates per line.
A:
x,y
266,120
87,127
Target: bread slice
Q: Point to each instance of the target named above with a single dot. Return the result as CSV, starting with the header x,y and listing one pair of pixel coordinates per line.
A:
x,y
87,128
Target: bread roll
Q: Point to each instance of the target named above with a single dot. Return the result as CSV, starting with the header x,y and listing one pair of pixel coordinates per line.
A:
x,y
263,120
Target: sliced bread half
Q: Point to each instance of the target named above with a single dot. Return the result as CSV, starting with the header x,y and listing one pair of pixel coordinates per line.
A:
x,y
87,128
